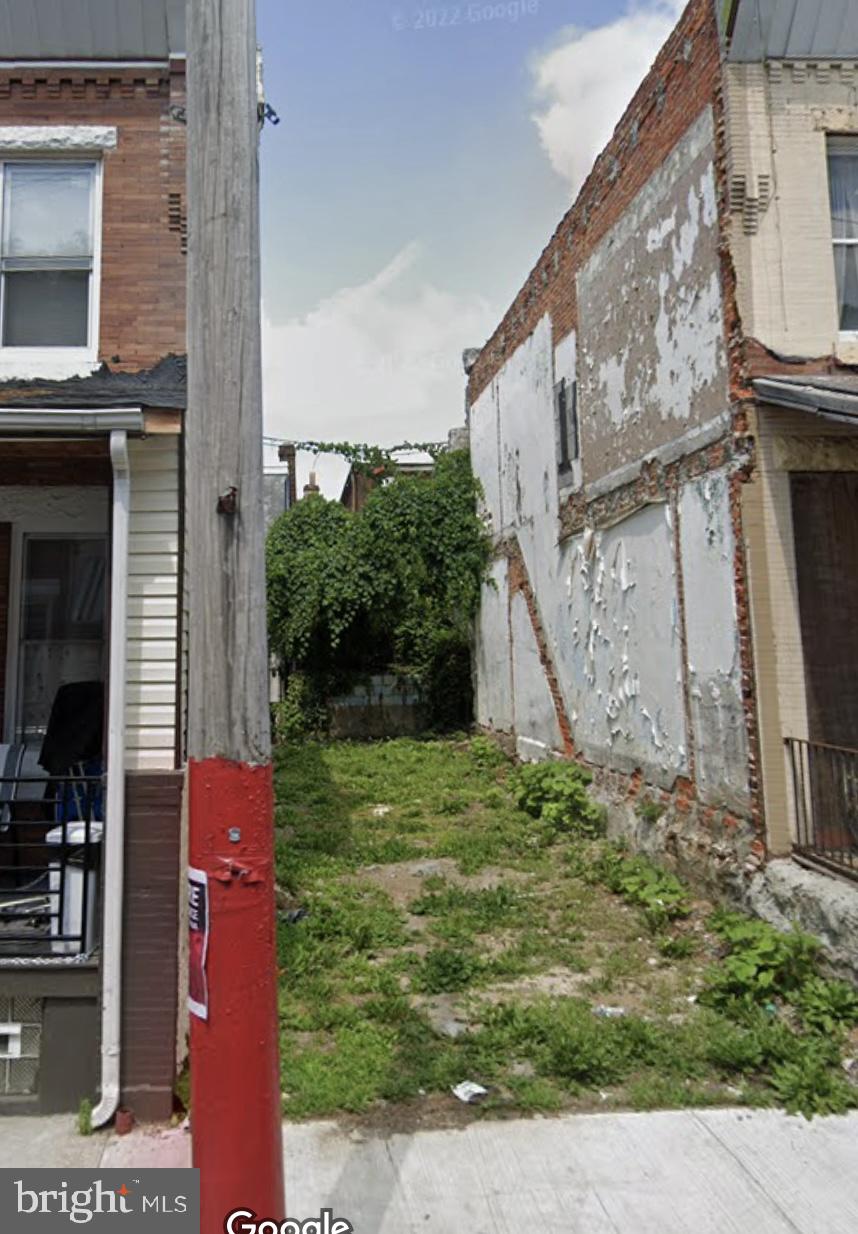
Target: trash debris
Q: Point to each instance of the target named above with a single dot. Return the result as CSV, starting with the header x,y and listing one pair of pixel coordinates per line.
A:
x,y
469,1092
609,1013
381,811
652,962
692,998
295,915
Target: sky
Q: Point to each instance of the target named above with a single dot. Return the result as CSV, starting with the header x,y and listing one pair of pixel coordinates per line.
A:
x,y
425,154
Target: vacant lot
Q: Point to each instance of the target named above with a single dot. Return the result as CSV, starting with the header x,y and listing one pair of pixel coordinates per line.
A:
x,y
434,931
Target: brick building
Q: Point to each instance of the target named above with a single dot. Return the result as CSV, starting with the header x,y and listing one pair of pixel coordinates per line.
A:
x,y
665,425
92,392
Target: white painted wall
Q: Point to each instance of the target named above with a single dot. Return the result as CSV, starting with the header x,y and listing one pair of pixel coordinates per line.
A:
x,y
494,705
153,599
537,729
608,608
622,664
714,663
650,360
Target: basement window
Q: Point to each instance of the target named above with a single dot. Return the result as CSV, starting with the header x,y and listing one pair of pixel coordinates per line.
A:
x,y
843,190
48,255
566,416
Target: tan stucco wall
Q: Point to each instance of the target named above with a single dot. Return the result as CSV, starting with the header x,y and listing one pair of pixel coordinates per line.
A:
x,y
779,114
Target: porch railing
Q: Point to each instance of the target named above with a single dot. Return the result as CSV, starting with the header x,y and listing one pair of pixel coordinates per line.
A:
x,y
825,794
51,833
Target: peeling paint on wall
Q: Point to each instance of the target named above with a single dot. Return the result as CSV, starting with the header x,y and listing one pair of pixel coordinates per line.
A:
x,y
651,329
537,730
494,705
714,662
621,660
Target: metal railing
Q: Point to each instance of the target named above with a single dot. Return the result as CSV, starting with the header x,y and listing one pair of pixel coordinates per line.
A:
x,y
825,794
51,832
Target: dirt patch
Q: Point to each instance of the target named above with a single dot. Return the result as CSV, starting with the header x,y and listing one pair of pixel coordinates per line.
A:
x,y
404,881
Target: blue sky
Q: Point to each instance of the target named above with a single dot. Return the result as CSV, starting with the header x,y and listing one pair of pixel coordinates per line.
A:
x,y
425,154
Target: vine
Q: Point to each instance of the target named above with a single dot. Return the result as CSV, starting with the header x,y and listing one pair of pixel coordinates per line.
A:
x,y
379,461
394,586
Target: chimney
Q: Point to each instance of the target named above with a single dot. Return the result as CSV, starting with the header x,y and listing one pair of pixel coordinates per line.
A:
x,y
312,487
287,456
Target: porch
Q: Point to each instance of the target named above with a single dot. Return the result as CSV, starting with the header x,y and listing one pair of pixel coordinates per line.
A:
x,y
803,538
90,793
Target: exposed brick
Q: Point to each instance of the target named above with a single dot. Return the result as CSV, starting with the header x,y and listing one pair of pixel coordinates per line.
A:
x,y
142,268
677,89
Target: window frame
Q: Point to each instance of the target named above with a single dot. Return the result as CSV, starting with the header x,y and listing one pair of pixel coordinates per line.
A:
x,y
89,524
26,357
831,142
566,419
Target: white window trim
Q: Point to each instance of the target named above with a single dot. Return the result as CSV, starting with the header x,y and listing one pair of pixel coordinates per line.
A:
x,y
59,363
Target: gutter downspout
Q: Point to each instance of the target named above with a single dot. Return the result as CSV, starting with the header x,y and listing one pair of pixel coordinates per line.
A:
x,y
114,831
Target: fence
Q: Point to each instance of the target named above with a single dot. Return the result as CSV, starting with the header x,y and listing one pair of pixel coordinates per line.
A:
x,y
51,831
825,793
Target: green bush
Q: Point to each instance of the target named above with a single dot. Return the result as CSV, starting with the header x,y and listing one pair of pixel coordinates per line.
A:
x,y
657,892
811,1081
446,970
827,1006
556,793
761,962
396,584
301,713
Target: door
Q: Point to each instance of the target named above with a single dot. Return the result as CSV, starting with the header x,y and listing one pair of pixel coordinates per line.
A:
x,y
825,521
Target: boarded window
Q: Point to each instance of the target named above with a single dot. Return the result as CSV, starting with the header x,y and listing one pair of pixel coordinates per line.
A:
x,y
566,414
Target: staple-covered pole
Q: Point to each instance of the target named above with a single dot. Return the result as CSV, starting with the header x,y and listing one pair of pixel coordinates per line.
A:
x,y
235,1085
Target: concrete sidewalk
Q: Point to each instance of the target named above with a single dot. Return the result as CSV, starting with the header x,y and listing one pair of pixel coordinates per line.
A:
x,y
685,1172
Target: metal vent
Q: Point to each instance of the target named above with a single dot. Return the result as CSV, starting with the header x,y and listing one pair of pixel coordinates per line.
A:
x,y
177,219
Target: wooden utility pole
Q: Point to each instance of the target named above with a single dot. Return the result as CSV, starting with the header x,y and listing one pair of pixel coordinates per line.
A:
x,y
235,1083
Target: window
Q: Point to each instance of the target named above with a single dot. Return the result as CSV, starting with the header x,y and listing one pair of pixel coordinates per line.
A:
x,y
843,188
62,634
566,414
48,254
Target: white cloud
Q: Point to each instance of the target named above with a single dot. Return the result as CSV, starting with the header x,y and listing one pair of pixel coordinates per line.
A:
x,y
585,83
380,362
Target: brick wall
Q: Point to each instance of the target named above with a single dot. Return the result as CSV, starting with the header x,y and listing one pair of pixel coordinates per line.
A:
x,y
150,955
684,79
5,552
143,266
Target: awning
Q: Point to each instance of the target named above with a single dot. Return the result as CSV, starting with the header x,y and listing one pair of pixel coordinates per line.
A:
x,y
833,398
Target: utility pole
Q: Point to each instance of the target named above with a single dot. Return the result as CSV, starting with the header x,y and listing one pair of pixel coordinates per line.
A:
x,y
235,1075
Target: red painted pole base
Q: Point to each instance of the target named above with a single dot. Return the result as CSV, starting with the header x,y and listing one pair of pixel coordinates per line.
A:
x,y
235,1063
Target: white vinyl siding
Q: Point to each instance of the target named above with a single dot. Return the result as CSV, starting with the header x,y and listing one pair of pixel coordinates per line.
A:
x,y
153,597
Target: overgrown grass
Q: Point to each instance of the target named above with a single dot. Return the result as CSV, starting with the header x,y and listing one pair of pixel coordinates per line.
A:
x,y
573,973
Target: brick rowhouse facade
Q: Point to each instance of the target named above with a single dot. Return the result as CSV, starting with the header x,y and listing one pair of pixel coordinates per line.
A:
x,y
143,270
717,829
142,326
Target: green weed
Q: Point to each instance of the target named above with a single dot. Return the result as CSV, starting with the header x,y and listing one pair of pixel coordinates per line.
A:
x,y
556,793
